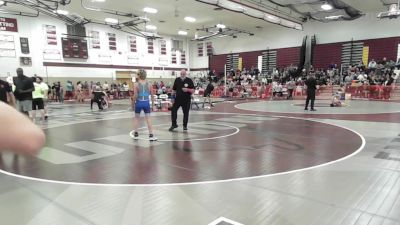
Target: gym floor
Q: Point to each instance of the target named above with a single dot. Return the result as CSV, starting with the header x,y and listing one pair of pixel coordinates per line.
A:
x,y
244,162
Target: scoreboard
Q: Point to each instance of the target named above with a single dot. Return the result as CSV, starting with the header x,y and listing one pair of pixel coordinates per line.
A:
x,y
75,48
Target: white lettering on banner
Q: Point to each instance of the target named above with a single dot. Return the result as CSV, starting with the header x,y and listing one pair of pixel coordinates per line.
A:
x,y
8,24
5,24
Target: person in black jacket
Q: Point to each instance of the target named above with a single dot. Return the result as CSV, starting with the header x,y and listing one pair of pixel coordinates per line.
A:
x,y
207,93
311,83
23,92
181,96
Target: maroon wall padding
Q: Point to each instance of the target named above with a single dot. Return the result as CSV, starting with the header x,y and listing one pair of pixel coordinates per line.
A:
x,y
217,63
98,66
383,47
287,56
325,54
198,69
250,59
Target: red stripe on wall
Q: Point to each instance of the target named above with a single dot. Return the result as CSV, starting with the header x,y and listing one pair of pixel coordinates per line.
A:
x,y
198,69
81,65
250,59
217,63
287,56
384,47
325,54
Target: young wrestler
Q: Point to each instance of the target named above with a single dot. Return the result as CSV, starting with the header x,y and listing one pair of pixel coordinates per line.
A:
x,y
141,102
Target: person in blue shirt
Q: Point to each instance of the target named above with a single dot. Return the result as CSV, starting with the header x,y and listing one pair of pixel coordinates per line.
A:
x,y
141,102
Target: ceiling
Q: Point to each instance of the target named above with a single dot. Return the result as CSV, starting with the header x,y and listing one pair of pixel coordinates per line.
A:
x,y
172,12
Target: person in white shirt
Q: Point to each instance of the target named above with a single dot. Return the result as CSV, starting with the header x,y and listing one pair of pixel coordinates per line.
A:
x,y
372,64
38,95
361,78
276,89
105,86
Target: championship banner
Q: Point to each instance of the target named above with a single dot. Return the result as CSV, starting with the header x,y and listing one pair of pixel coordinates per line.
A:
x,y
365,55
8,24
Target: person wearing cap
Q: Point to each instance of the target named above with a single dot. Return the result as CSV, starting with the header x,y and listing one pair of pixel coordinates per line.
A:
x,y
182,91
141,102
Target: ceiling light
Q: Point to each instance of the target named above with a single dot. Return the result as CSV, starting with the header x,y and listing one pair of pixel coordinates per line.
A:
x,y
2,2
150,10
254,13
98,0
151,27
111,20
333,17
221,26
298,27
287,23
58,11
231,5
182,32
190,19
272,19
326,6
210,1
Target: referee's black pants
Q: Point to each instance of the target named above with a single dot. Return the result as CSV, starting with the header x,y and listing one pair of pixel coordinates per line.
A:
x,y
98,101
310,96
185,104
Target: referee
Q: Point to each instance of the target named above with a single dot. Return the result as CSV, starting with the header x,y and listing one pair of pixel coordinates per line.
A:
x,y
181,96
311,83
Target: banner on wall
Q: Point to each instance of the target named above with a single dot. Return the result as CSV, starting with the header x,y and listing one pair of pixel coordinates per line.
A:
x,y
150,46
132,43
24,45
173,57
398,53
210,49
365,55
163,47
240,64
7,46
112,41
50,33
95,39
25,61
200,49
183,57
8,24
